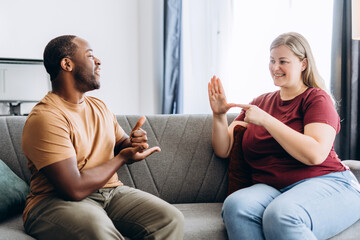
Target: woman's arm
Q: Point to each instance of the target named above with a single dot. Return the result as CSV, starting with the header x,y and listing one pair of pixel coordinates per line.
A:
x,y
222,135
310,148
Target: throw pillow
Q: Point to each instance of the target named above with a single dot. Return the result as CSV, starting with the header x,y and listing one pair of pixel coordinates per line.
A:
x,y
13,192
239,170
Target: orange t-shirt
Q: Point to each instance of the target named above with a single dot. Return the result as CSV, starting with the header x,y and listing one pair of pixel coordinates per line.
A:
x,y
56,130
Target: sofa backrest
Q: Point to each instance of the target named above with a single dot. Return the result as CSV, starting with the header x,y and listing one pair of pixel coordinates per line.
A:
x,y
10,145
186,170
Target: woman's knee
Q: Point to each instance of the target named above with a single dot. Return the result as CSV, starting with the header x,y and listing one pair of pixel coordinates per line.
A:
x,y
237,206
280,216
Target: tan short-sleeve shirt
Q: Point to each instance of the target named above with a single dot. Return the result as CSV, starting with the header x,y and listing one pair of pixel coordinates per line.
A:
x,y
56,130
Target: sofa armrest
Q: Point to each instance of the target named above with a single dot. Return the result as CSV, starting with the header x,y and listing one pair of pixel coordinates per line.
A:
x,y
354,166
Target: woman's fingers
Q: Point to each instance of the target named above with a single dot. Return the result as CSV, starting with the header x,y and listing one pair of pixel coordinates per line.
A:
x,y
243,106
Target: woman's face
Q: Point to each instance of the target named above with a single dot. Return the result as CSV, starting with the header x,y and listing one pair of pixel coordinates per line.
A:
x,y
285,67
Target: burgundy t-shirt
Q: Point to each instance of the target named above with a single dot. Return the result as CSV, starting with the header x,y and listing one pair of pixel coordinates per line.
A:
x,y
271,164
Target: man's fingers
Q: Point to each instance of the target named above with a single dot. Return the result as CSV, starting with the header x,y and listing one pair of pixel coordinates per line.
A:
x,y
141,146
138,137
150,151
145,153
139,123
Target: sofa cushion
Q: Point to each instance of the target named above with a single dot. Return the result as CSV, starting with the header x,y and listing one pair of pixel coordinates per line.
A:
x,y
239,171
351,233
12,228
186,170
354,166
13,192
203,221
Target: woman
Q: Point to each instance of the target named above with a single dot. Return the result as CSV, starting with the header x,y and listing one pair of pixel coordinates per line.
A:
x,y
301,189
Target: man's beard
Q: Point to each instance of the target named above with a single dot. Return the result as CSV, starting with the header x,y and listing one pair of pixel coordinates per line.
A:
x,y
85,81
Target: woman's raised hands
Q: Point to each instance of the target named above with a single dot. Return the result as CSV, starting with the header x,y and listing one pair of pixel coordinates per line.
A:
x,y
217,97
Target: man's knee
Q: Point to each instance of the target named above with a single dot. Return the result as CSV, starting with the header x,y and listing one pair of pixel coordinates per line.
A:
x,y
74,220
173,218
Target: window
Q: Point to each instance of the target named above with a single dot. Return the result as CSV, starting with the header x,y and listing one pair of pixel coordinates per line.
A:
x,y
257,23
254,24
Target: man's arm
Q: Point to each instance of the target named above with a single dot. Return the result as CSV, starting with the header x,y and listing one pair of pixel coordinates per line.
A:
x,y
124,142
74,184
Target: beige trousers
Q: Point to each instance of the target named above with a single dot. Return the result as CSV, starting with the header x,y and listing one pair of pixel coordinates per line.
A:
x,y
109,213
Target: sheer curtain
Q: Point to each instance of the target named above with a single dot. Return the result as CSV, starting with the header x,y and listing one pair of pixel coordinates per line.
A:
x,y
256,24
231,39
206,35
172,91
345,81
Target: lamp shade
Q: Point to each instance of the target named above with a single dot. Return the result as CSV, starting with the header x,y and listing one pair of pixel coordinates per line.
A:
x,y
355,13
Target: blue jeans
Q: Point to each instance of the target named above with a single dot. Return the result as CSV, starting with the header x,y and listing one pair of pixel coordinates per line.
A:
x,y
314,208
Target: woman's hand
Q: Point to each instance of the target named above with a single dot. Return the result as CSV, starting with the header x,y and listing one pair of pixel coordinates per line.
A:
x,y
254,115
316,141
217,97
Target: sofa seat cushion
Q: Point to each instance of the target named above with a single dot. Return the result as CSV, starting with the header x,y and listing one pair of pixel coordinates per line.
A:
x,y
203,221
12,228
352,233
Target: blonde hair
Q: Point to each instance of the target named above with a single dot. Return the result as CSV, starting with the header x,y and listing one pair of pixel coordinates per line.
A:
x,y
301,48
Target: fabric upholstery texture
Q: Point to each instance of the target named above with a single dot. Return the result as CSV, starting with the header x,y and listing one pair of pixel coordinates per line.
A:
x,y
239,170
202,221
13,192
10,142
186,172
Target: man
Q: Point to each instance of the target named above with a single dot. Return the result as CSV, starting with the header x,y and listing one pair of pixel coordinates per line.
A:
x,y
74,147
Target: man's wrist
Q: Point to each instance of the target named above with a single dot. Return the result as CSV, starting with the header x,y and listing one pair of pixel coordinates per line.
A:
x,y
121,159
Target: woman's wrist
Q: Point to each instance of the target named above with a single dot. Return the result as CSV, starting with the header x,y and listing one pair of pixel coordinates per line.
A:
x,y
219,115
268,121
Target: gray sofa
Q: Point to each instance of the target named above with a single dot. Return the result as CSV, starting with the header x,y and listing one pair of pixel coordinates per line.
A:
x,y
185,173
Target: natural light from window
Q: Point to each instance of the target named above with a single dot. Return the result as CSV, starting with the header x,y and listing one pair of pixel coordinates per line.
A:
x,y
256,24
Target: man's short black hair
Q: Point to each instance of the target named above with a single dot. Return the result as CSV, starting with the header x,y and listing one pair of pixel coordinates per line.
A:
x,y
55,50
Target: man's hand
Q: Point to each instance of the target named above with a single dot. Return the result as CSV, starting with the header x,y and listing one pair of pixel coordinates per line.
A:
x,y
138,136
135,154
138,149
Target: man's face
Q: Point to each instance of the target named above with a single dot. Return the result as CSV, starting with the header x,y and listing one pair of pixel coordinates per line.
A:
x,y
87,67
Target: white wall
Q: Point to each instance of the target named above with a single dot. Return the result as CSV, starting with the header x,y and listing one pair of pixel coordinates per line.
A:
x,y
151,35
124,35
